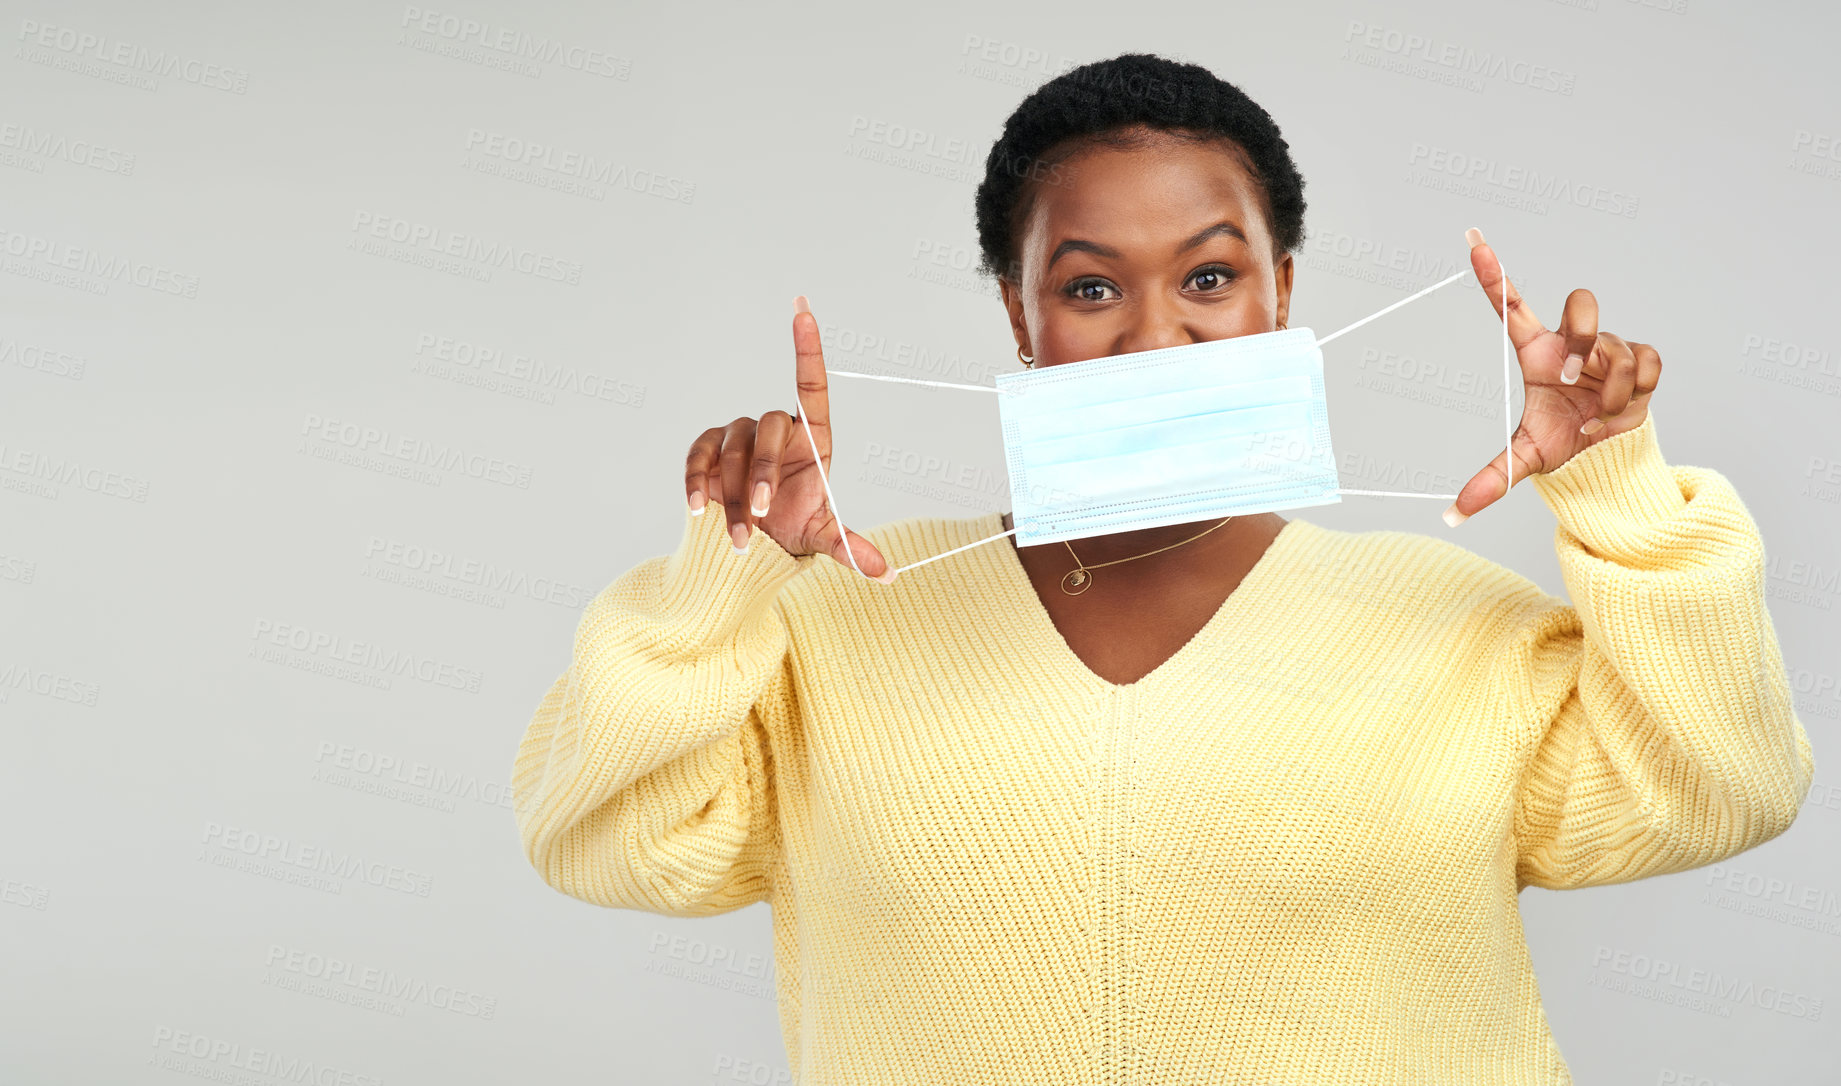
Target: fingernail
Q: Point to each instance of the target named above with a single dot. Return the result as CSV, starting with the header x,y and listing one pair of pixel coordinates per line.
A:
x,y
1474,237
1592,426
696,503
1574,363
1455,518
739,533
800,305
886,577
759,508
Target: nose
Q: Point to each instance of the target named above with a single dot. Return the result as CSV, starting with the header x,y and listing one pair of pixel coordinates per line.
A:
x,y
1152,324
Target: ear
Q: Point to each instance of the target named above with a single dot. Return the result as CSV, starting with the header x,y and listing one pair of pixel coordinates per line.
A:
x,y
1013,304
1281,275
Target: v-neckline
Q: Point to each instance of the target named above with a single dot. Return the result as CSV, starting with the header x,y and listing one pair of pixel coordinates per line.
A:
x,y
1038,626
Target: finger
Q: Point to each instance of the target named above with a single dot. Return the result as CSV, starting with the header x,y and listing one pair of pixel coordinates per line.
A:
x,y
1524,326
699,484
1638,402
1619,383
845,545
1648,369
1486,486
737,451
814,397
1579,328
770,440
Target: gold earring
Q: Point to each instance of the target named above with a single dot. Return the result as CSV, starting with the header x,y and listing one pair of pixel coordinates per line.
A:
x,y
1030,362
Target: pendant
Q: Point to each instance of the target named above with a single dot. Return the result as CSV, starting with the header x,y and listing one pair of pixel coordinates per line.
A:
x,y
1076,582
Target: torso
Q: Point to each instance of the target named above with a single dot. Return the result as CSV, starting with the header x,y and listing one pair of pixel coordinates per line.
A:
x,y
1138,614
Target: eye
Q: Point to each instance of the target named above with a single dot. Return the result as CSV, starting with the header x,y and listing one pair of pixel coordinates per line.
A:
x,y
1074,290
1220,275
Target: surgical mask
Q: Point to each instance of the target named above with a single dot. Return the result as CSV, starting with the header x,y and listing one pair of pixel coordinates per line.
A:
x,y
1219,428
1170,436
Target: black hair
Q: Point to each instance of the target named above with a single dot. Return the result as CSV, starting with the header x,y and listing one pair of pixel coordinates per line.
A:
x,y
1098,103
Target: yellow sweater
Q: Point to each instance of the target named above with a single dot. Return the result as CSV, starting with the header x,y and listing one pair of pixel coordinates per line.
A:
x,y
1289,855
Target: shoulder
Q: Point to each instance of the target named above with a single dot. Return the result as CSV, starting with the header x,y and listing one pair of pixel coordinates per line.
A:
x,y
1410,570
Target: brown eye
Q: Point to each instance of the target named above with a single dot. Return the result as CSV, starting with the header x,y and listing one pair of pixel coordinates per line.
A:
x,y
1213,277
1078,287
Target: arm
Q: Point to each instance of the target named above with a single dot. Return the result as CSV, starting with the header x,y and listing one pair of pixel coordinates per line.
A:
x,y
1662,732
644,779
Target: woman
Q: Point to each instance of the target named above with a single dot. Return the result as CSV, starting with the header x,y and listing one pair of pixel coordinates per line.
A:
x,y
1255,805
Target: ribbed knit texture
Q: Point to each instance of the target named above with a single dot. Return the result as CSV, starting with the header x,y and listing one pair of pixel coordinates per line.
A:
x,y
1289,855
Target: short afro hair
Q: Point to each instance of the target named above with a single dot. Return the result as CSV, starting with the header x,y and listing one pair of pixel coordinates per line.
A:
x,y
1095,104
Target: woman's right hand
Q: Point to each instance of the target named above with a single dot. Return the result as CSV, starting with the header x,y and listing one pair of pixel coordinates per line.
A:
x,y
764,475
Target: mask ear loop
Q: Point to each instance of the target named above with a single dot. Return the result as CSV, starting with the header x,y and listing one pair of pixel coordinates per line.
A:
x,y
832,499
1508,357
1508,438
1507,423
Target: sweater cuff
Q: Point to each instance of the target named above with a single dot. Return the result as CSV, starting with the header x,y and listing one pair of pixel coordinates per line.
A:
x,y
1611,494
716,588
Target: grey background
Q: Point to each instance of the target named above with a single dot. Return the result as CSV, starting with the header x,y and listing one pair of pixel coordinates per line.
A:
x,y
169,502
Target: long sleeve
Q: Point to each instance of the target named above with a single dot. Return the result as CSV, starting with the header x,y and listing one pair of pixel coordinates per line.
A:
x,y
1663,733
645,778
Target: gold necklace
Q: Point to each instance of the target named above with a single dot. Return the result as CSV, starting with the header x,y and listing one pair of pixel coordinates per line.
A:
x,y
1080,578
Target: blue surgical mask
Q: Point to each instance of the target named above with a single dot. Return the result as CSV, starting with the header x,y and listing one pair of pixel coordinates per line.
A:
x,y
1212,429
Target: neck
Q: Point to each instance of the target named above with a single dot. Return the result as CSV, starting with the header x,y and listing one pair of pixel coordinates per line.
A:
x,y
1114,545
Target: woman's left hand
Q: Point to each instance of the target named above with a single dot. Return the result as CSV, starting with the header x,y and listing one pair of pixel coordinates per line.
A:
x,y
1582,385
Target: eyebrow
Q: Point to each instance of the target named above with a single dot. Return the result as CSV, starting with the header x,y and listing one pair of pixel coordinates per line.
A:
x,y
1225,227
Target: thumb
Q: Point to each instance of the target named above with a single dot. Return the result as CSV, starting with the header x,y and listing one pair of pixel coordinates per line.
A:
x,y
1490,484
868,560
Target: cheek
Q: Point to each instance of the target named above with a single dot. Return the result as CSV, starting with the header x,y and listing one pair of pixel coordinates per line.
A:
x,y
1252,319
1059,339
1254,310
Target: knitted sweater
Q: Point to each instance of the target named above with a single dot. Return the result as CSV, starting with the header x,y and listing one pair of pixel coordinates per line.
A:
x,y
1291,854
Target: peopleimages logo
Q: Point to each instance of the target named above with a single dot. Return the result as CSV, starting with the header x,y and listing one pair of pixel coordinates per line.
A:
x,y
438,241
446,356
474,572
1458,60
104,267
275,850
47,684
63,471
83,44
388,768
172,1048
400,446
1650,977
515,43
337,648
43,359
1522,180
387,984
579,165
56,146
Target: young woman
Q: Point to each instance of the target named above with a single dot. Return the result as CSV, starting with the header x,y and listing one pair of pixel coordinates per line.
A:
x,y
1252,805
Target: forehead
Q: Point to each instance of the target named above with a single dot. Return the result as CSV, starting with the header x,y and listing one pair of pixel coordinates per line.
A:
x,y
1162,191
